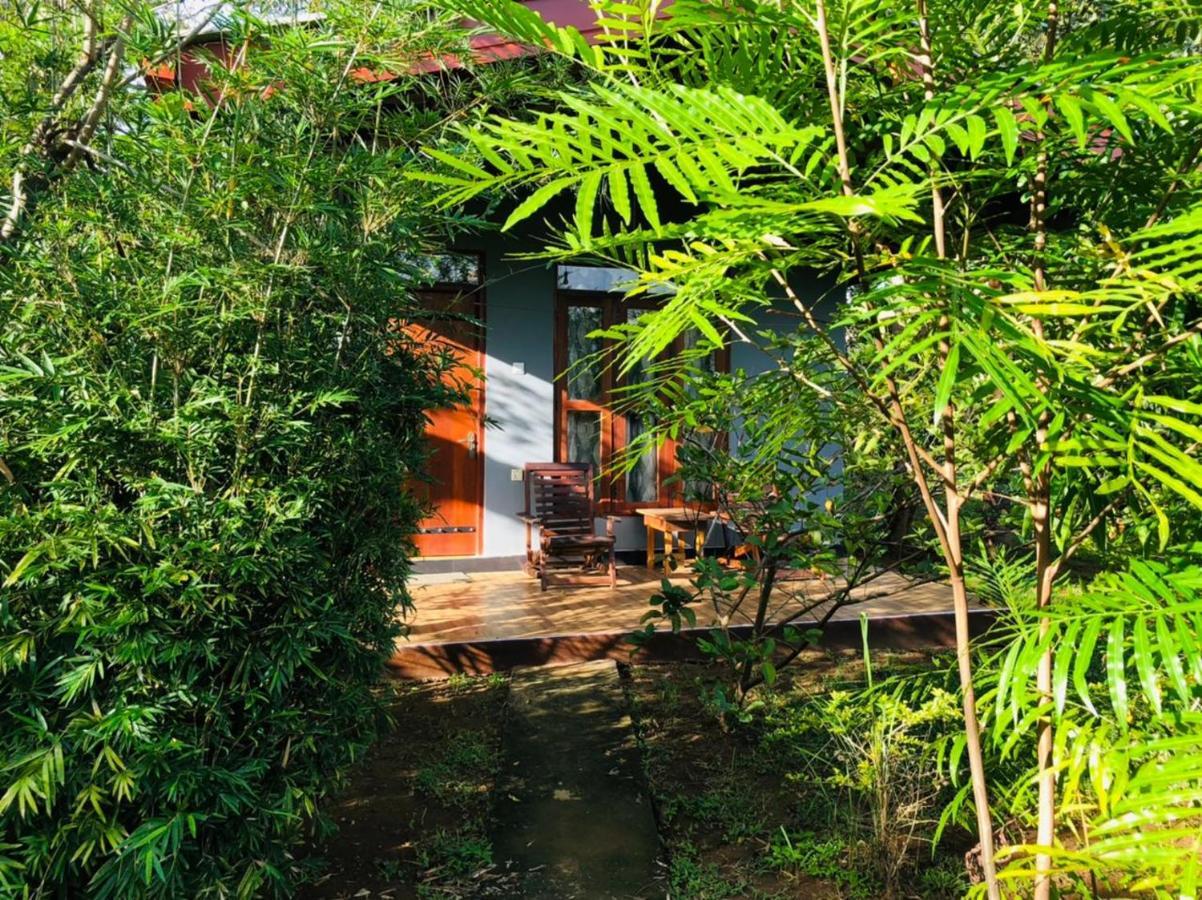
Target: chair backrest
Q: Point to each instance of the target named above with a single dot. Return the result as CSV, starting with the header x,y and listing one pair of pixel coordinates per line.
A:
x,y
560,496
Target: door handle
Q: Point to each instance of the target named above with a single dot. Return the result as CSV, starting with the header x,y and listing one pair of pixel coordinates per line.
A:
x,y
472,443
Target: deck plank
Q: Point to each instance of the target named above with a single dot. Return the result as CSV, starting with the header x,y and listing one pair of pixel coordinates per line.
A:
x,y
481,622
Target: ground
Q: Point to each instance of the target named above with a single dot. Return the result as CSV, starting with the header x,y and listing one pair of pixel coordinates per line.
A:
x,y
740,811
740,815
414,822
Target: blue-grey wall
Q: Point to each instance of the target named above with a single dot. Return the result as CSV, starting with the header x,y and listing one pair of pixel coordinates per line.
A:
x,y
519,371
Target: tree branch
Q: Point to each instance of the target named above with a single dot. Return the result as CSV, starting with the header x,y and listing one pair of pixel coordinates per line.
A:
x,y
100,102
89,55
1123,371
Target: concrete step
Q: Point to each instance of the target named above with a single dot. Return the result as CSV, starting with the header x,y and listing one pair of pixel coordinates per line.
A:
x,y
572,817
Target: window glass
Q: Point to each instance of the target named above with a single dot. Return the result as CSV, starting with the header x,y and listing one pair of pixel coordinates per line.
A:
x,y
596,423
603,279
445,268
584,438
690,338
698,490
584,361
642,481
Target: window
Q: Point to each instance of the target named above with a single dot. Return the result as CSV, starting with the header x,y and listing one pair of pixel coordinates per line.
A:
x,y
456,269
588,428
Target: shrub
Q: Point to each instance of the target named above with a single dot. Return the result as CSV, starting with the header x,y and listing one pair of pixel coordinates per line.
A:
x,y
805,506
207,419
878,751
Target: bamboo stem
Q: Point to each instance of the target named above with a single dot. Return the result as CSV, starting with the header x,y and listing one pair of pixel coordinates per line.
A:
x,y
1041,519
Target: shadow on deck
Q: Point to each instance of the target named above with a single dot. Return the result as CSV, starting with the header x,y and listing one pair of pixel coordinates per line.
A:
x,y
486,622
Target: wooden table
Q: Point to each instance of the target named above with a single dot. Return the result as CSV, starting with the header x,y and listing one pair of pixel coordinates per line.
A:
x,y
674,522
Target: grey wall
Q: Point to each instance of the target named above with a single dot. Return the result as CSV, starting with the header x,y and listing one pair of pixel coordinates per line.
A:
x,y
519,405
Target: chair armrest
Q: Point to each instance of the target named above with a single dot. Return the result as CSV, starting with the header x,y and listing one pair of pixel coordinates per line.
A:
x,y
528,518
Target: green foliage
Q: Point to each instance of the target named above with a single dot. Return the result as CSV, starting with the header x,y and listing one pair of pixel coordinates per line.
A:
x,y
827,858
875,750
691,879
456,853
733,813
1125,678
979,335
207,420
945,880
805,494
462,771
1008,202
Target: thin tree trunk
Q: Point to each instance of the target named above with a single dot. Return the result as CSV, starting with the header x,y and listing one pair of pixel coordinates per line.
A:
x,y
761,617
946,527
954,503
1044,573
112,69
972,727
89,54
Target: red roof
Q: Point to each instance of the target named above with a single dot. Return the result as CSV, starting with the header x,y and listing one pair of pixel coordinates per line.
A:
x,y
485,48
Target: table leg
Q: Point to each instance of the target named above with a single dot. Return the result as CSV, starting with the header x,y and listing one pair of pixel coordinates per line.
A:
x,y
699,543
650,547
669,551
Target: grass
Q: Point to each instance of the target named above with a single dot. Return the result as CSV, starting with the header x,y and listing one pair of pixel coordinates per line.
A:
x,y
690,877
823,858
463,769
736,815
755,812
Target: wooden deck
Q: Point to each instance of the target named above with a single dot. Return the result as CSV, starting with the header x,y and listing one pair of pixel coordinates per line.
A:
x,y
482,622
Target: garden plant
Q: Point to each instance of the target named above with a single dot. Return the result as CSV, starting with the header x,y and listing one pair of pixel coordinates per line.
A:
x,y
1004,200
806,504
208,417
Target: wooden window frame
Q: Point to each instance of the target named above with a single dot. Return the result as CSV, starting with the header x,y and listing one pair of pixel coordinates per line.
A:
x,y
611,490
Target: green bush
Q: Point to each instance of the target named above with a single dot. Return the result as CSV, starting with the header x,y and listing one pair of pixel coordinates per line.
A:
x,y
875,752
207,420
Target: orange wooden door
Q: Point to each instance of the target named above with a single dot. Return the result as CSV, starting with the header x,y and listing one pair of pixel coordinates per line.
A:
x,y
453,324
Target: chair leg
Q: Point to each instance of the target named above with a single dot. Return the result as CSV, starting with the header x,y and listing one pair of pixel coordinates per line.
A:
x,y
613,567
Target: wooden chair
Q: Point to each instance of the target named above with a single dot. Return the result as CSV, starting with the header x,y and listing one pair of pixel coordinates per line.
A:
x,y
559,502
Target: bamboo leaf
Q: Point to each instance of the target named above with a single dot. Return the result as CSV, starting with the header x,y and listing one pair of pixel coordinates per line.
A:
x,y
1144,661
1084,658
947,380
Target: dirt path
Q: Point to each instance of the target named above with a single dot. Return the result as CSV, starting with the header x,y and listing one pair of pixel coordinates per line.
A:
x,y
572,816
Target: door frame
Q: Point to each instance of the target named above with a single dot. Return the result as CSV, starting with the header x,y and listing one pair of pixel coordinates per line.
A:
x,y
611,492
479,306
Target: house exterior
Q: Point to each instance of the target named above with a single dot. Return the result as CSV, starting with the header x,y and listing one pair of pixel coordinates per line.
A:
x,y
536,319
528,406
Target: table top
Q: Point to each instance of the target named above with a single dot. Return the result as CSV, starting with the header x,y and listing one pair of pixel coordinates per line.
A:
x,y
676,515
